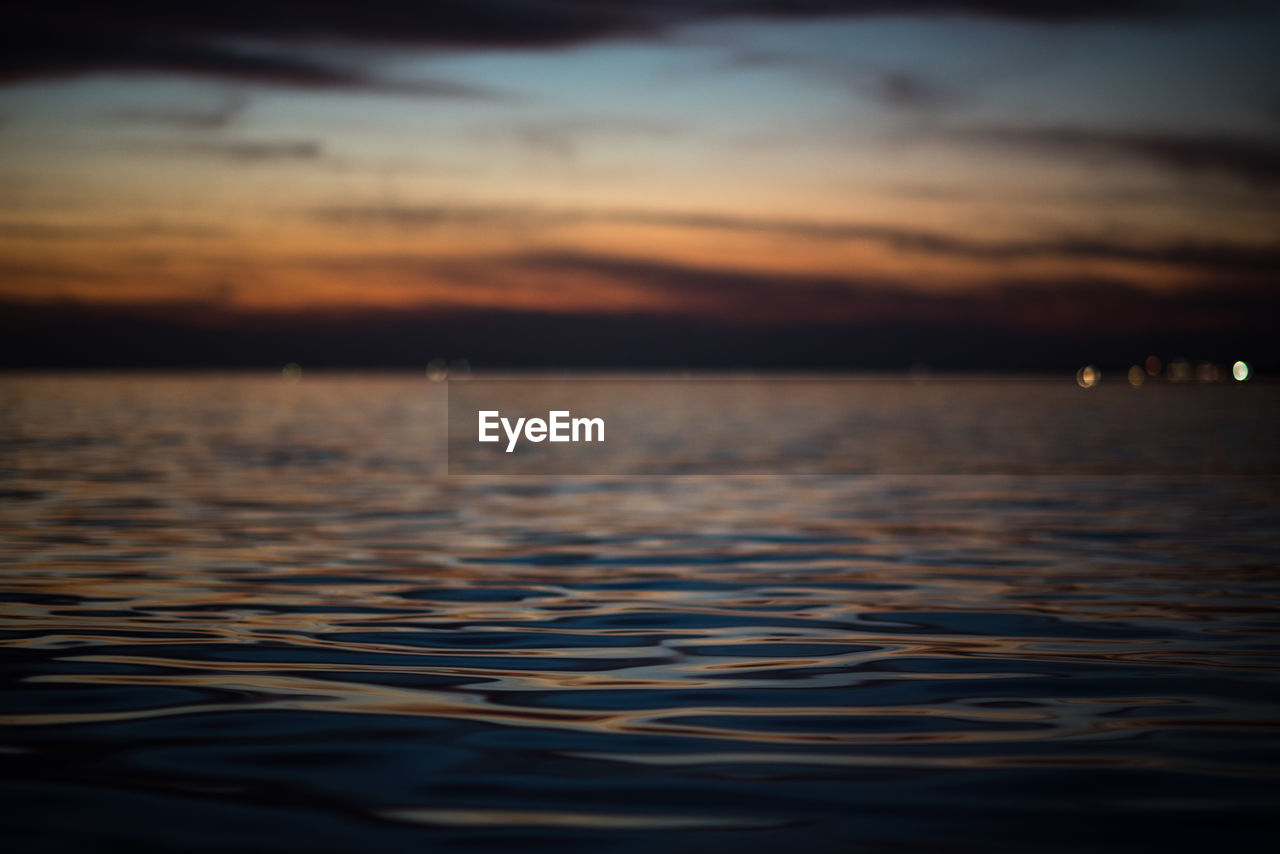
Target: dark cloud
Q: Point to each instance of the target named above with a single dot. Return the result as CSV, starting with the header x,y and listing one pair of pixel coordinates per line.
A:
x,y
562,138
431,216
1061,305
253,150
31,230
770,297
753,58
189,117
1050,11
894,89
1208,255
51,39
715,317
903,91
727,293
1070,305
1217,256
1253,160
45,41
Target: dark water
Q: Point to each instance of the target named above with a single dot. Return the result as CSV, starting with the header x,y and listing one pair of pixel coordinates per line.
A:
x,y
249,616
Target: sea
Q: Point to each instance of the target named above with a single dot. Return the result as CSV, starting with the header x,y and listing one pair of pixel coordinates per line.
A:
x,y
246,612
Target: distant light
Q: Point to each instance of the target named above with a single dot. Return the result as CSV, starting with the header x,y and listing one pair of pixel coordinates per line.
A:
x,y
1137,376
437,370
1153,366
1205,372
292,372
1240,370
1180,370
460,369
1088,376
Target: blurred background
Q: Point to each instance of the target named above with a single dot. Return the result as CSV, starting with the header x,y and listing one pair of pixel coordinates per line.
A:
x,y
948,184
245,607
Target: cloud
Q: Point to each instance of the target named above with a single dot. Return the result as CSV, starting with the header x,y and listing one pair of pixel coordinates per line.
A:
x,y
42,231
53,39
431,216
1053,11
559,308
1253,160
904,91
1052,305
893,89
47,42
1208,255
562,138
725,292
250,151
750,59
188,117
622,286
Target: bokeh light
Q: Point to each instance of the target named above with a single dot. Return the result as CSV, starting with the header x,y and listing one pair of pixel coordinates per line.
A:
x,y
1240,370
460,369
1088,376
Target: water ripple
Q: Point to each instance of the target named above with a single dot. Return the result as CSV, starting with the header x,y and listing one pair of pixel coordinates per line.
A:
x,y
277,625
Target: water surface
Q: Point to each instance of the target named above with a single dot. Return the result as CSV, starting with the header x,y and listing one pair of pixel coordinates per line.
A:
x,y
245,615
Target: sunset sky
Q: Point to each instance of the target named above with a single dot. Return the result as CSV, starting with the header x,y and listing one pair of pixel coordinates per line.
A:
x,y
1067,169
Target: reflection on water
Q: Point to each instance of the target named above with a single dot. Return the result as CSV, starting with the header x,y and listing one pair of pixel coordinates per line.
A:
x,y
248,615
